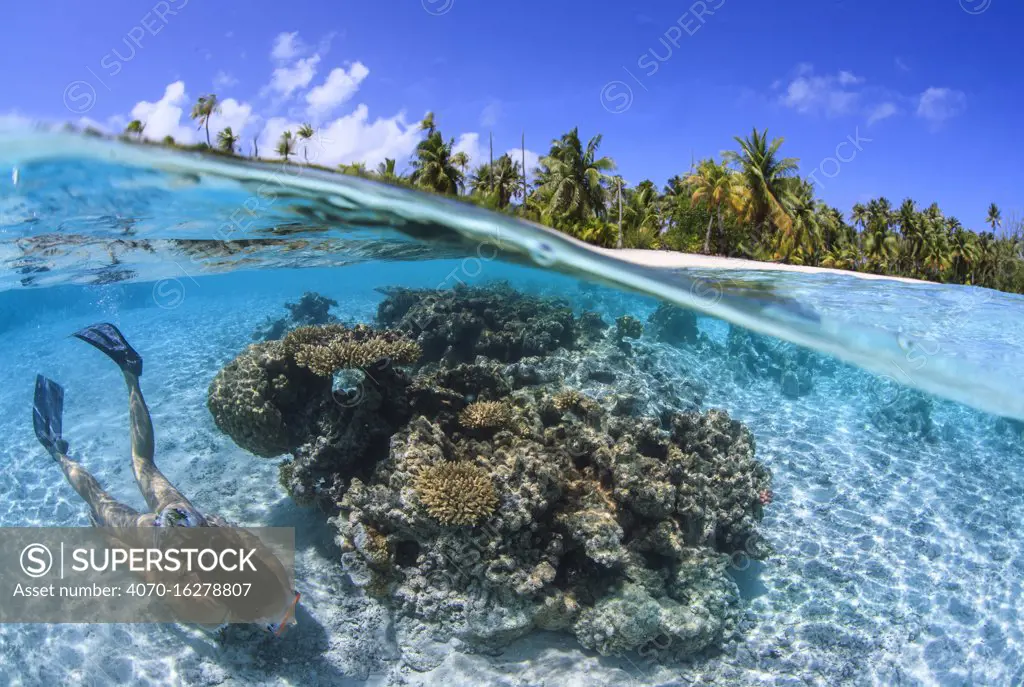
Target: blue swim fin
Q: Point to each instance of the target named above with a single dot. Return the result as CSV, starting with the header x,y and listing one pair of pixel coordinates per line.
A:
x,y
111,341
48,414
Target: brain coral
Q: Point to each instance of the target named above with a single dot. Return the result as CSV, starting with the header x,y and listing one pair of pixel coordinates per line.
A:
x,y
456,493
246,396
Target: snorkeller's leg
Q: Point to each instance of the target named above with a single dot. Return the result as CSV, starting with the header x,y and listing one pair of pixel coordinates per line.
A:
x,y
47,420
104,509
156,489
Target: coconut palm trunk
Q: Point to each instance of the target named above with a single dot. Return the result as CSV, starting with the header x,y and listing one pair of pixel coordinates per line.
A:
x,y
721,232
619,241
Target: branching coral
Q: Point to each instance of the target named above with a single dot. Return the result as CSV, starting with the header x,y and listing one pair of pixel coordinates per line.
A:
x,y
325,349
485,415
456,493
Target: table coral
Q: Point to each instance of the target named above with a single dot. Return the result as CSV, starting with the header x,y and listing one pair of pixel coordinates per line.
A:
x,y
325,349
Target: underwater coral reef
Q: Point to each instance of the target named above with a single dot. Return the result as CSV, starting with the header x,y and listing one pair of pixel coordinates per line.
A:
x,y
495,464
311,309
793,368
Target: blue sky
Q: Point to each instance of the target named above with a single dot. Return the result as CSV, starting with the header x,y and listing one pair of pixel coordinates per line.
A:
x,y
929,89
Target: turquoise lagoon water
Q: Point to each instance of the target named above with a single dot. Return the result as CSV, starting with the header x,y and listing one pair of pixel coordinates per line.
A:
x,y
895,448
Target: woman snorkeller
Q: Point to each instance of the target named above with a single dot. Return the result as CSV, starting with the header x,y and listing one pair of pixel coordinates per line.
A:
x,y
168,506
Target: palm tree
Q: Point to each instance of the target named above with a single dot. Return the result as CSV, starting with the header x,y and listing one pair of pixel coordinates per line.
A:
x,y
911,225
834,229
507,180
597,231
386,171
168,140
879,250
305,132
859,216
964,254
433,167
203,110
800,242
881,245
356,169
935,252
618,183
461,160
428,124
227,140
765,175
995,218
714,185
642,217
286,145
843,256
570,179
135,127
480,180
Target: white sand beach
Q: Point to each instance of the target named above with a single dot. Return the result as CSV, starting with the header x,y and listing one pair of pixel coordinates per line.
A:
x,y
676,260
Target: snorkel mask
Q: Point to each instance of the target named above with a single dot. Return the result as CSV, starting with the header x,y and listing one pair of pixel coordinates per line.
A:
x,y
177,516
281,626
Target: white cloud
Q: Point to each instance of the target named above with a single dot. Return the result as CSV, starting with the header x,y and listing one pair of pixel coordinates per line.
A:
x,y
881,111
936,105
163,118
286,80
120,121
809,93
237,115
469,144
287,46
490,114
901,65
223,80
849,79
14,120
351,138
114,124
480,154
532,159
339,86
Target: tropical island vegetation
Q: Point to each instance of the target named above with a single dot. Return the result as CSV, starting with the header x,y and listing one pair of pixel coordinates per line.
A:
x,y
752,203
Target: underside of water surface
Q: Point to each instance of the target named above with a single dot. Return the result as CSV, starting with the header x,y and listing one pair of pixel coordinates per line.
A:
x,y
507,459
